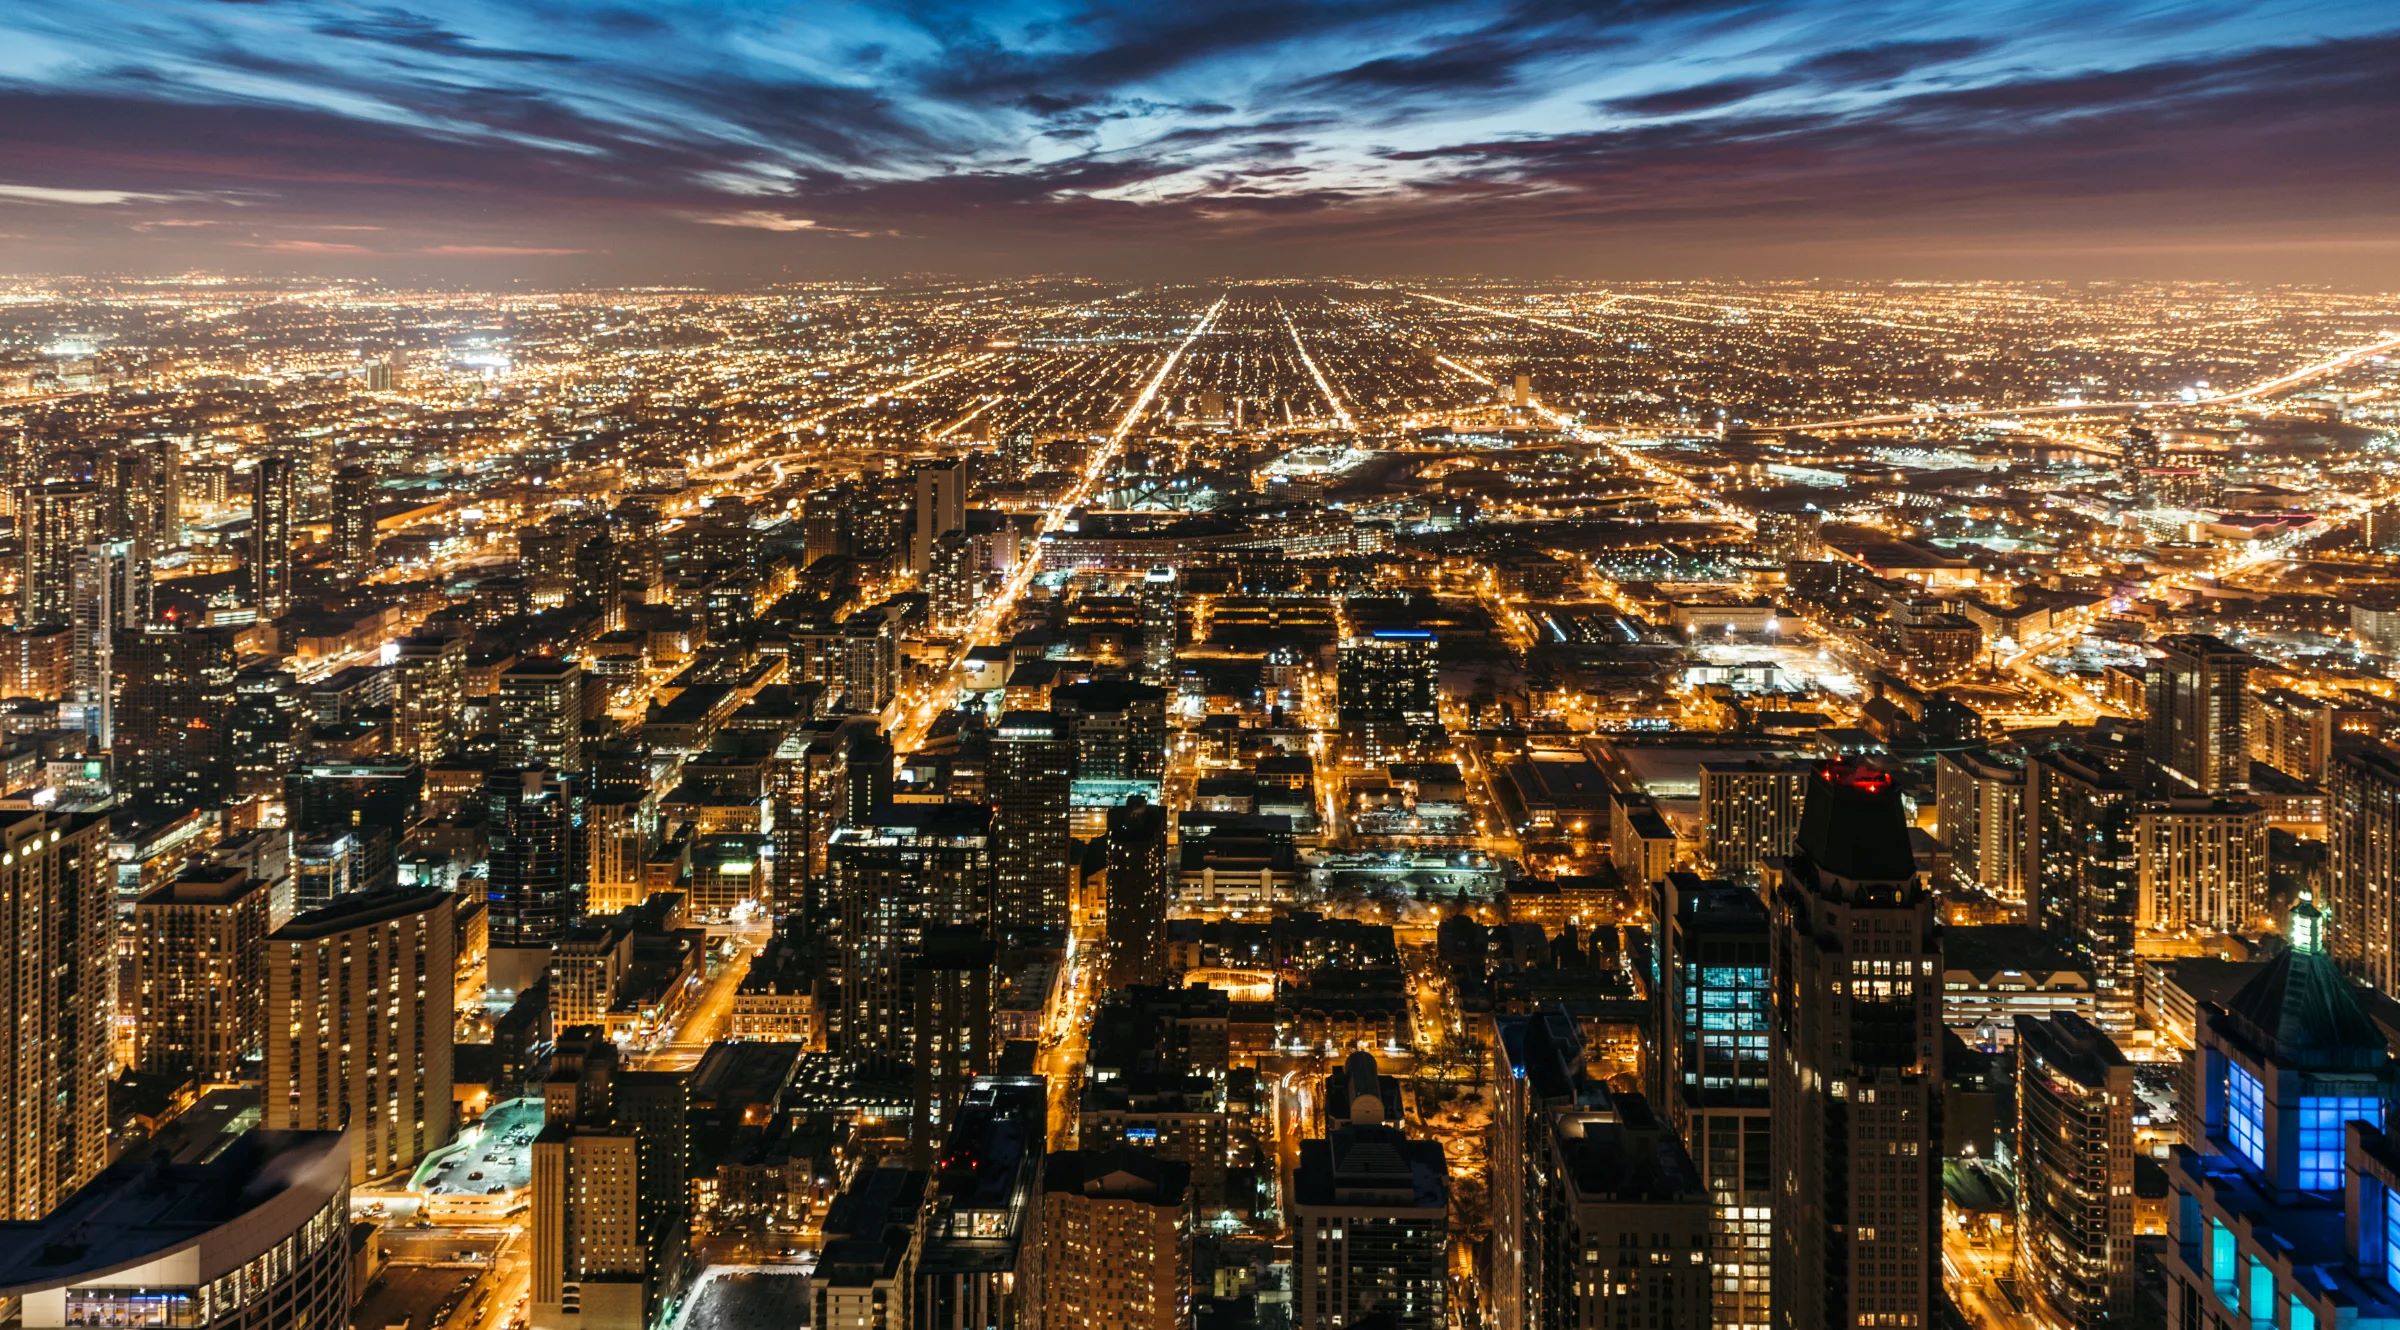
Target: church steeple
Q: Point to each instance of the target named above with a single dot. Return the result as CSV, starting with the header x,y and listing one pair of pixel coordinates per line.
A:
x,y
2308,927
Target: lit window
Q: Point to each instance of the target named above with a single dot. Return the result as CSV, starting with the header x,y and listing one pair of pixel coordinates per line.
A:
x,y
2321,1124
2246,1115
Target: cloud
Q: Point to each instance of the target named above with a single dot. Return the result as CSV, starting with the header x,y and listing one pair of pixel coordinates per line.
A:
x,y
1884,62
92,198
499,251
1698,97
394,27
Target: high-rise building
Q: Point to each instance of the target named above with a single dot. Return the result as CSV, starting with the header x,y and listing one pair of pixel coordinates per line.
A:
x,y
953,582
360,996
2362,818
353,496
1980,800
2284,1209
1712,1007
429,696
1386,691
535,857
1116,1240
371,803
2203,865
1137,893
2087,865
1749,812
256,1233
2075,1171
1030,779
950,1028
1370,1214
941,508
174,715
1119,728
274,514
56,521
607,1213
1159,626
866,1277
909,870
1623,1223
93,625
981,1260
57,997
199,1000
2195,731
541,710
1857,1057
2292,732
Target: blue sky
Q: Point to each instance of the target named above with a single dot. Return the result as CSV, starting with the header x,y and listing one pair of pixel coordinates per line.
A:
x,y
743,141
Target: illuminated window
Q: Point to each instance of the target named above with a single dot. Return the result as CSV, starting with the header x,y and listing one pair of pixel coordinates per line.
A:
x,y
2303,1317
2246,1115
2221,1261
2321,1120
2391,1237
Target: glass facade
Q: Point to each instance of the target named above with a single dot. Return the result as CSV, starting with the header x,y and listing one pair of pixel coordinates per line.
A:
x,y
2246,1116
2322,1118
2391,1237
2221,1261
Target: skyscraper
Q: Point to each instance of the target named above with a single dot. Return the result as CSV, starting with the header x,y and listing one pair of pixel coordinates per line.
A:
x,y
2075,1171
199,1005
93,625
1385,687
533,819
1370,1213
429,695
1137,893
541,710
981,1262
1857,1084
1159,624
1711,1074
941,508
1030,779
911,869
274,510
2197,686
360,997
1981,803
56,522
174,715
1748,812
1116,1240
2284,1210
2363,851
353,498
2087,866
57,997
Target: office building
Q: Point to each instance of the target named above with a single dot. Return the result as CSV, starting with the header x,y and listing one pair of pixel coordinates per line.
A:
x,y
1116,1240
1749,812
274,532
2075,1172
93,628
254,1235
1370,1215
1711,1075
952,1042
2195,732
1857,1071
199,1000
57,998
371,804
359,999
56,522
608,1214
1386,692
1030,780
2087,865
1119,728
2283,1209
429,696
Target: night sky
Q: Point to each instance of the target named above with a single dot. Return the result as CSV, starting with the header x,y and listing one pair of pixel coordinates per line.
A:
x,y
737,142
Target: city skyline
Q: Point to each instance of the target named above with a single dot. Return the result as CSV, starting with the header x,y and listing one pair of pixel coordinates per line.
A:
x,y
736,143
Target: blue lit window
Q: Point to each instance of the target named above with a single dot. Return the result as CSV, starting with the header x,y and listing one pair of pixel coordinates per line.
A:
x,y
2303,1317
2391,1237
2221,1261
2321,1119
2262,1292
2246,1115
